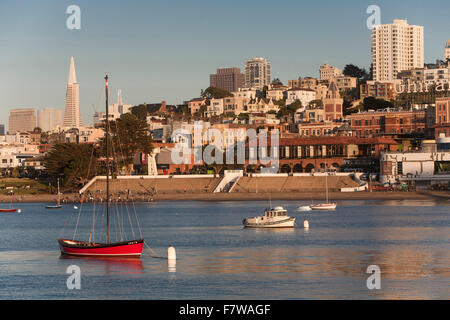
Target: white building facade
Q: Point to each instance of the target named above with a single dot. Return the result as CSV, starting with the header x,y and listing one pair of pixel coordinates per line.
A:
x,y
396,47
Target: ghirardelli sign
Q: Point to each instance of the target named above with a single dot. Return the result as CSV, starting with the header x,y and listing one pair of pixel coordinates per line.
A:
x,y
421,86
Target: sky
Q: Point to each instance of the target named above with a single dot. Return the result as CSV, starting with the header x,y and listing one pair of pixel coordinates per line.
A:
x,y
166,50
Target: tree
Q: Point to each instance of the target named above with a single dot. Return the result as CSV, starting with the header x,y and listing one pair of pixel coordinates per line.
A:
x,y
277,82
74,164
129,135
353,71
215,93
374,103
294,106
140,111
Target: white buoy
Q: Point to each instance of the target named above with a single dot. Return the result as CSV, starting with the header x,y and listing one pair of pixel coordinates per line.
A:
x,y
306,224
75,207
19,210
171,253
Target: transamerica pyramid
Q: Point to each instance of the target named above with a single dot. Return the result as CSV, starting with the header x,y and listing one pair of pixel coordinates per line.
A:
x,y
72,115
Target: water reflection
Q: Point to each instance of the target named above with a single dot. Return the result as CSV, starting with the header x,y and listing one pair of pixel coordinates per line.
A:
x,y
109,264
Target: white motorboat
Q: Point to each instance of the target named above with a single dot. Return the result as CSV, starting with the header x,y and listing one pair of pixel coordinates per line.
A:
x,y
272,218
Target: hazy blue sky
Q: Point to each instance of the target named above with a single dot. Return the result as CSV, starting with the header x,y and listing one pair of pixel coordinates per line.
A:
x,y
165,50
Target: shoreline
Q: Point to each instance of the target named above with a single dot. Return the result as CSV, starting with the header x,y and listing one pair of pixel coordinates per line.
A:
x,y
333,196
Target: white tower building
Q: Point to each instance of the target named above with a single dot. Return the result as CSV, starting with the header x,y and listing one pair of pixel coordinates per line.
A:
x,y
72,115
396,47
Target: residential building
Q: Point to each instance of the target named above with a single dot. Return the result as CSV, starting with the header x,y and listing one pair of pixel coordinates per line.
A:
x,y
72,114
230,79
379,90
327,72
215,107
345,82
257,73
421,79
2,129
48,119
234,104
195,104
396,47
305,96
22,120
308,82
276,92
249,93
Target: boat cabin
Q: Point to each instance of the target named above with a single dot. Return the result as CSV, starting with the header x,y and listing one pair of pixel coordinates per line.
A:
x,y
276,212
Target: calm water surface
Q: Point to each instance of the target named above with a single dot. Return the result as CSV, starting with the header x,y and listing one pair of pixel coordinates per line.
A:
x,y
218,259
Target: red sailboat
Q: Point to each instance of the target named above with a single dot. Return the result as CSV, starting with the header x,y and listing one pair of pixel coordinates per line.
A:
x,y
132,248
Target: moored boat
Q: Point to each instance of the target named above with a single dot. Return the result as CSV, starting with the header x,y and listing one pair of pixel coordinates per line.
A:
x,y
58,201
131,248
327,205
272,218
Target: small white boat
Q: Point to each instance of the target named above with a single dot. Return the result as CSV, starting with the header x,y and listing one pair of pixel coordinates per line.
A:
x,y
323,206
327,205
272,218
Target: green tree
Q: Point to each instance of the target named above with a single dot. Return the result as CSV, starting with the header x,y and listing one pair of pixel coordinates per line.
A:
x,y
73,163
129,135
354,71
140,111
215,93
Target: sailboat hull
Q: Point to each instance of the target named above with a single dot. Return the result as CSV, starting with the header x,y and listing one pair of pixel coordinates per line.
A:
x,y
121,249
8,210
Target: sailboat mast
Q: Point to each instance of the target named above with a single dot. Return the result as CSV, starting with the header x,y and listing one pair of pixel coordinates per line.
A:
x,y
107,160
58,197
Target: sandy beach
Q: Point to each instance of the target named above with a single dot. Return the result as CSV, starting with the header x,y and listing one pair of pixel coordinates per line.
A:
x,y
389,195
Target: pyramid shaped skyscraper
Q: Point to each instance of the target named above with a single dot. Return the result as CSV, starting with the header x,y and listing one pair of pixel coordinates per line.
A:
x,y
72,115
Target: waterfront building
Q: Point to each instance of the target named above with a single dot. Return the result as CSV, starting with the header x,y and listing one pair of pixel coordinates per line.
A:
x,y
390,122
22,120
230,79
72,115
48,119
257,73
420,169
396,47
2,129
